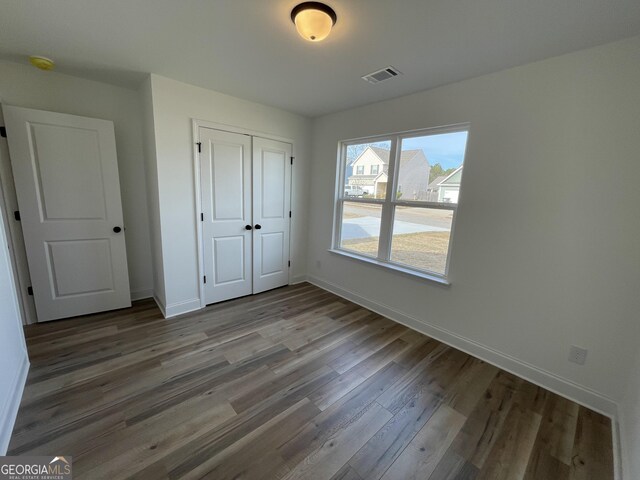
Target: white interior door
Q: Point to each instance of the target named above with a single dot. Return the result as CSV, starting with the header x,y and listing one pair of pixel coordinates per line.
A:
x,y
66,175
271,207
225,183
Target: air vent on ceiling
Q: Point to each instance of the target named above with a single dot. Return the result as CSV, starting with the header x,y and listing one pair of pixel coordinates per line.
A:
x,y
382,75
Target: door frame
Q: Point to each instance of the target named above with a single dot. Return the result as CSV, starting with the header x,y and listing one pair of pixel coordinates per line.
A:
x,y
27,317
195,125
15,236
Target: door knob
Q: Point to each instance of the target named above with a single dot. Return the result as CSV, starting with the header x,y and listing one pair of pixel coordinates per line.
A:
x,y
248,227
117,229
258,226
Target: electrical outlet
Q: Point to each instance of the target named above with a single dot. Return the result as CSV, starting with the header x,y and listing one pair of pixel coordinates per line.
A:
x,y
577,355
318,264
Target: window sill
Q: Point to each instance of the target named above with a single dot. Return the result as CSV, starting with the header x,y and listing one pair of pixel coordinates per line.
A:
x,y
393,267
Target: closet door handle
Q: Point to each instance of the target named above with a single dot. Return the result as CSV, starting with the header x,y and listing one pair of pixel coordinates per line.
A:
x,y
258,226
248,227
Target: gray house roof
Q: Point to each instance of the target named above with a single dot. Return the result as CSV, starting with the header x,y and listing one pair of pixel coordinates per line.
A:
x,y
434,185
382,153
405,155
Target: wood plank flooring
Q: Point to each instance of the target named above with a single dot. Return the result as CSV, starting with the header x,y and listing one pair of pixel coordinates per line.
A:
x,y
295,383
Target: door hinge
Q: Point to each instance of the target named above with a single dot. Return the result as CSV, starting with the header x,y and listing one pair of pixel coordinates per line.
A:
x,y
292,160
16,215
205,279
289,213
202,217
3,132
30,290
199,147
289,263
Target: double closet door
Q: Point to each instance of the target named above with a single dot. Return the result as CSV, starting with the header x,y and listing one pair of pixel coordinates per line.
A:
x,y
245,183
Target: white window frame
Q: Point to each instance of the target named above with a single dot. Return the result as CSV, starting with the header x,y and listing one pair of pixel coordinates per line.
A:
x,y
359,170
377,167
388,204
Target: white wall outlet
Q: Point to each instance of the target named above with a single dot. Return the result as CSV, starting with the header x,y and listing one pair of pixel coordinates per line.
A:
x,y
577,355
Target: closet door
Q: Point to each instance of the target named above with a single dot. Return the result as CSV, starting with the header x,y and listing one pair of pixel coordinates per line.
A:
x,y
271,206
225,181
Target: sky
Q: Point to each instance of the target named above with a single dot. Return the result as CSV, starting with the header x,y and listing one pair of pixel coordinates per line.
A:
x,y
446,149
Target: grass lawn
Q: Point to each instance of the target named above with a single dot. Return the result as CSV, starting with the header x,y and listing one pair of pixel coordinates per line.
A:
x,y
426,251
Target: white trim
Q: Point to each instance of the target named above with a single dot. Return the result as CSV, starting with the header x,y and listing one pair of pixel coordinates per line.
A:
x,y
389,203
160,305
141,294
417,132
366,201
244,131
298,279
552,382
179,308
396,267
451,175
13,233
195,125
10,408
376,180
621,461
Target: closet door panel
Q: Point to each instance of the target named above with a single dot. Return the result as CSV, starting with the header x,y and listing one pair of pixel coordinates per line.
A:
x,y
271,206
225,183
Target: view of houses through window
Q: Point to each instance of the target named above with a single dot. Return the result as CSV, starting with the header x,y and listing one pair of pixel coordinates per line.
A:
x,y
412,225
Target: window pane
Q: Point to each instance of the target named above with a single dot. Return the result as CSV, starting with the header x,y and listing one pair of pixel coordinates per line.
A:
x,y
431,167
421,238
360,230
366,169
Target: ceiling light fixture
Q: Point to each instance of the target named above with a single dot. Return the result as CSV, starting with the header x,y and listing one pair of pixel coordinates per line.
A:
x,y
313,20
43,63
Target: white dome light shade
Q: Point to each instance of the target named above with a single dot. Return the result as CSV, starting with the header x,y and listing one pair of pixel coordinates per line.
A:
x,y
313,20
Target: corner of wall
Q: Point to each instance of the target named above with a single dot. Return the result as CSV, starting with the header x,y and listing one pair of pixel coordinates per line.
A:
x,y
153,200
10,410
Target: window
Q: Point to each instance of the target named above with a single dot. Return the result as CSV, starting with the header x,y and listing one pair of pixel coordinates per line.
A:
x,y
405,218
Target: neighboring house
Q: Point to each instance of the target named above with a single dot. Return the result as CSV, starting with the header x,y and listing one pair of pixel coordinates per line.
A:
x,y
449,187
349,170
432,189
370,171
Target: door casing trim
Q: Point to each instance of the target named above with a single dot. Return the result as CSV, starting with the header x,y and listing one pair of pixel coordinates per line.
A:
x,y
195,125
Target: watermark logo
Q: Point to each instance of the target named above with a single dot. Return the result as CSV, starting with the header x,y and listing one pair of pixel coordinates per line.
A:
x,y
36,468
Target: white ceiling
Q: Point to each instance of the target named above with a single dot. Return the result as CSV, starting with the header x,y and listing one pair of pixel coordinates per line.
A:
x,y
250,49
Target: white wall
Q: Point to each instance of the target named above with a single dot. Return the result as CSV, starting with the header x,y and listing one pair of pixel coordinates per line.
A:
x,y
630,423
175,104
153,199
28,87
545,253
14,363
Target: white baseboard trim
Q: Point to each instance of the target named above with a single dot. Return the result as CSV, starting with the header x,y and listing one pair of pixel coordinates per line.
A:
x,y
179,308
160,305
621,462
141,294
10,410
566,388
298,279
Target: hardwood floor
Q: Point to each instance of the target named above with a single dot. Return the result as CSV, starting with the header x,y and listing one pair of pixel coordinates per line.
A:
x,y
295,383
